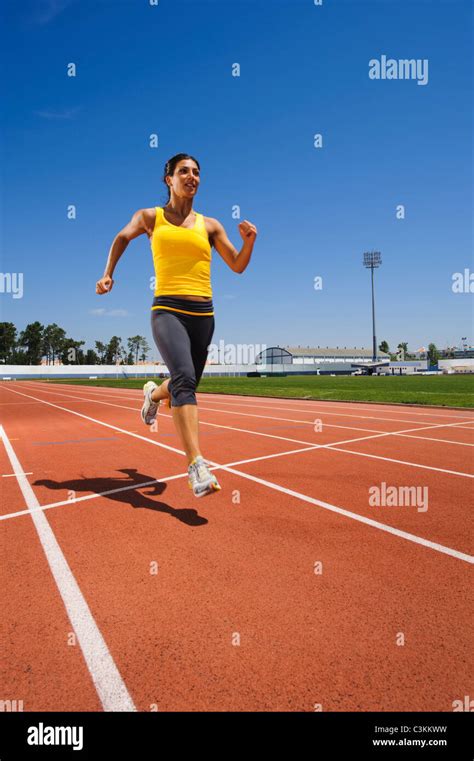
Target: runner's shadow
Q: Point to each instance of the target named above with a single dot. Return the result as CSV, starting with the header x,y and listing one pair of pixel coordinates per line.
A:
x,y
129,496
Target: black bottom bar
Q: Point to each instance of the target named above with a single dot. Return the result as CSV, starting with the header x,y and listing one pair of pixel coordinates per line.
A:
x,y
322,735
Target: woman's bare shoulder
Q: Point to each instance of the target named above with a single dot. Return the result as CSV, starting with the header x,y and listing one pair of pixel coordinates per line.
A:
x,y
211,224
149,219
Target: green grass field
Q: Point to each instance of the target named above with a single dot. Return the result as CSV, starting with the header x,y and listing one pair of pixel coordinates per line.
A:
x,y
439,390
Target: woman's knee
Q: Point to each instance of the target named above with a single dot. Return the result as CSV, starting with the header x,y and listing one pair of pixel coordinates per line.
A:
x,y
183,389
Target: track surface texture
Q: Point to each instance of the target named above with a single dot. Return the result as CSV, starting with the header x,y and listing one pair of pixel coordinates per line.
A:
x,y
330,572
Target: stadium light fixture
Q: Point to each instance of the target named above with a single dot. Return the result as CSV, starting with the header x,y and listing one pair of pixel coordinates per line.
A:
x,y
372,260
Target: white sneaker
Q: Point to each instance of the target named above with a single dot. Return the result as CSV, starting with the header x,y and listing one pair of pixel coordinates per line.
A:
x,y
150,408
201,480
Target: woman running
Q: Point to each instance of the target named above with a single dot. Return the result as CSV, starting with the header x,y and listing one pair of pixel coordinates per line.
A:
x,y
182,316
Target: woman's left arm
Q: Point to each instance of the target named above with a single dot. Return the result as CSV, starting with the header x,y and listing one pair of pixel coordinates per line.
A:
x,y
236,260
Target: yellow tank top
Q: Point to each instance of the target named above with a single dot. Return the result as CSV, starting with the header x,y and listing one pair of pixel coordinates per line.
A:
x,y
181,257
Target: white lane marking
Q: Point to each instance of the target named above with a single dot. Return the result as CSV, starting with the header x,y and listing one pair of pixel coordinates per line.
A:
x,y
320,407
303,497
271,402
100,400
268,400
307,448
355,516
333,445
432,438
107,681
404,433
73,500
329,425
14,475
320,403
403,462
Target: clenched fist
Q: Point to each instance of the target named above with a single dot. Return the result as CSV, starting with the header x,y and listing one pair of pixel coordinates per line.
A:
x,y
248,231
104,285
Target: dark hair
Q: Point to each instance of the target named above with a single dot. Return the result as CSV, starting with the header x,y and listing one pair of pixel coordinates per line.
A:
x,y
170,166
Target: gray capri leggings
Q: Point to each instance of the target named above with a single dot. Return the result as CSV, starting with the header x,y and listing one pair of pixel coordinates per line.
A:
x,y
183,341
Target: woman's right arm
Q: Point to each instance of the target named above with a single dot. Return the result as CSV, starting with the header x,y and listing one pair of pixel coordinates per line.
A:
x,y
140,223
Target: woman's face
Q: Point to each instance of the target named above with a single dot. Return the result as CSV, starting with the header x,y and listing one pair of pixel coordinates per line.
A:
x,y
185,180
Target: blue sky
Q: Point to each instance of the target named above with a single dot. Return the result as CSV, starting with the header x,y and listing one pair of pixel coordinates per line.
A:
x,y
167,69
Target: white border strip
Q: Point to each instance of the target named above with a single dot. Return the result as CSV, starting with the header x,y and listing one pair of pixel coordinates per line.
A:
x,y
107,681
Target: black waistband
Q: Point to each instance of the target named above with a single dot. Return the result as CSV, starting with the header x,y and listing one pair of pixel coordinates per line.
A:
x,y
174,302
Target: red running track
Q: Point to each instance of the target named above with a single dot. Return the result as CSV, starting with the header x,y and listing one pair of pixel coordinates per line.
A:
x,y
287,590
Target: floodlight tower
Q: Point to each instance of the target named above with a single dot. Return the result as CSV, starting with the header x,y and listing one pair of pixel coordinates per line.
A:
x,y
372,260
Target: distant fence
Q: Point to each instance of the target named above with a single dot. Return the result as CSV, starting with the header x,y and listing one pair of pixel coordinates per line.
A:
x,y
32,372
80,371
155,371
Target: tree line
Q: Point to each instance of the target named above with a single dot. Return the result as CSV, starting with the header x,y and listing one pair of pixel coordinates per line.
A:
x,y
38,342
402,352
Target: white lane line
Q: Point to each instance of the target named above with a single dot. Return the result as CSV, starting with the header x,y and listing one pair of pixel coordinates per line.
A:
x,y
87,497
267,401
100,400
241,400
303,497
320,406
432,438
333,445
329,425
403,462
307,448
404,433
320,403
110,687
73,500
336,414
14,475
3,404
277,400
355,516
